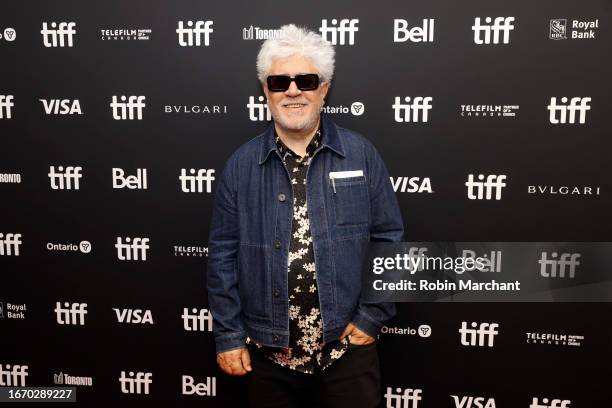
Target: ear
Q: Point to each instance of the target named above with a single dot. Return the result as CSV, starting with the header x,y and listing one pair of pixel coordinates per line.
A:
x,y
265,89
324,88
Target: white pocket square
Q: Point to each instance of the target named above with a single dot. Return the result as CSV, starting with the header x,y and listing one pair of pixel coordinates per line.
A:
x,y
345,174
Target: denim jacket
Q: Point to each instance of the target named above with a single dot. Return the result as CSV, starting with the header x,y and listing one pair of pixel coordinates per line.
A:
x,y
251,227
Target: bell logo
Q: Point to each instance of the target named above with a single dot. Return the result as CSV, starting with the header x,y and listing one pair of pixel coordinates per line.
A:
x,y
501,24
576,104
190,387
193,34
58,35
484,334
401,33
557,265
409,112
338,31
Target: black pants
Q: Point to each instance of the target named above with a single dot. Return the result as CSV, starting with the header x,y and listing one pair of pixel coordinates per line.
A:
x,y
352,381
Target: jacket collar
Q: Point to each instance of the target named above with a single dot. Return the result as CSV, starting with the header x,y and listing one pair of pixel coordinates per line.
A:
x,y
331,139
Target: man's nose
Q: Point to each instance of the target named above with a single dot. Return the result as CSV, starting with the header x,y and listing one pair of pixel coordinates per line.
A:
x,y
293,90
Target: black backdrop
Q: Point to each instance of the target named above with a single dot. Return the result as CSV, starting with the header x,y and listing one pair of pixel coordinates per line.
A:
x,y
537,157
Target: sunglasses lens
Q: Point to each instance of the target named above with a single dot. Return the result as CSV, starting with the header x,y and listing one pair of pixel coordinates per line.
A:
x,y
307,82
277,83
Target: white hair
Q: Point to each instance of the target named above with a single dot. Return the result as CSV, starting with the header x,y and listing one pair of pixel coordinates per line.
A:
x,y
295,40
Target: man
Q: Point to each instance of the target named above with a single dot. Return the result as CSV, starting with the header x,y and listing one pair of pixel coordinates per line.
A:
x,y
293,210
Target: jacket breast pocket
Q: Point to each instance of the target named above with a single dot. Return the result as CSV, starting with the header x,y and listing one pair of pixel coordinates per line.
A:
x,y
350,200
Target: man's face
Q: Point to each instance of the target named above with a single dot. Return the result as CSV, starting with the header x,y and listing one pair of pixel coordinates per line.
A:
x,y
295,109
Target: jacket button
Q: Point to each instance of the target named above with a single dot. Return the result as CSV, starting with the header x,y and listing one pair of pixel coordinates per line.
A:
x,y
275,338
276,293
281,197
277,244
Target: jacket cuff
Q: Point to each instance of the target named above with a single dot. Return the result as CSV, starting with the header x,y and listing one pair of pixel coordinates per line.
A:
x,y
366,323
230,341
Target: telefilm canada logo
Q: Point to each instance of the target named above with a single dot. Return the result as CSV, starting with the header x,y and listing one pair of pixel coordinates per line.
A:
x,y
190,251
489,111
554,339
125,34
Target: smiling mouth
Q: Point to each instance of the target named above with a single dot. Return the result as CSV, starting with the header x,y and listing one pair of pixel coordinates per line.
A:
x,y
294,105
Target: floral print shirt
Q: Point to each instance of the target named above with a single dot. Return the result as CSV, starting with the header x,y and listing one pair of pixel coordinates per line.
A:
x,y
306,352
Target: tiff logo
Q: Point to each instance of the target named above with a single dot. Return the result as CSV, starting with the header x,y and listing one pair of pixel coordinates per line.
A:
x,y
193,34
576,104
409,112
13,376
6,103
61,106
546,403
139,181
125,110
258,111
197,320
407,398
9,244
132,250
486,332
135,383
478,190
401,33
501,24
71,313
566,259
195,183
338,33
58,35
67,179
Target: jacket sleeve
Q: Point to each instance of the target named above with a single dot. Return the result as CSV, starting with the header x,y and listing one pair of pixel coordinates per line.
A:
x,y
386,225
221,277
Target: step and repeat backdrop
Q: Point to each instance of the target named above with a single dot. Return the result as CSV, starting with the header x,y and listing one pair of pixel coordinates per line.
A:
x,y
116,118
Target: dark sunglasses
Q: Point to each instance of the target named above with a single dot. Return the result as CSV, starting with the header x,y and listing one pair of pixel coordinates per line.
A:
x,y
304,82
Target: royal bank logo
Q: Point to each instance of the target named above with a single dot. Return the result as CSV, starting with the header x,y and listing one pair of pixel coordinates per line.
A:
x,y
416,34
558,29
493,30
6,105
72,380
67,178
578,29
133,249
10,178
8,35
194,110
9,244
404,184
554,339
197,181
563,113
13,311
339,32
549,403
257,33
486,187
413,110
489,111
465,401
136,181
423,330
192,34
258,111
478,335
403,397
58,35
61,106
125,34
195,319
13,375
70,313
83,247
356,109
208,388
191,251
127,107
132,382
